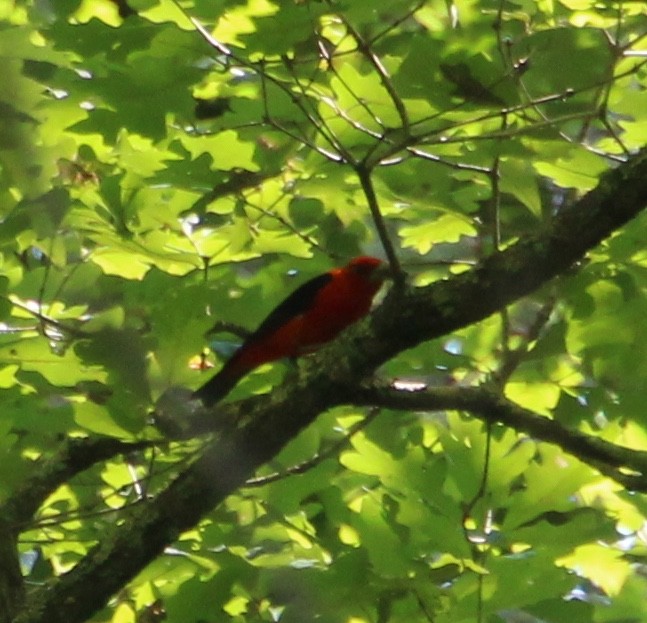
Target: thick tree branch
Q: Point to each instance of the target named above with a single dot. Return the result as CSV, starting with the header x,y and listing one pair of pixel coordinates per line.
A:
x,y
406,319
420,314
491,407
12,587
74,457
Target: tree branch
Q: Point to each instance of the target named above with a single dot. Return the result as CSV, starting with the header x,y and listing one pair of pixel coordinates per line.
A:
x,y
12,587
489,406
74,457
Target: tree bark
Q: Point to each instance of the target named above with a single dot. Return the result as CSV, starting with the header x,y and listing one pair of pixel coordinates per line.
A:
x,y
12,589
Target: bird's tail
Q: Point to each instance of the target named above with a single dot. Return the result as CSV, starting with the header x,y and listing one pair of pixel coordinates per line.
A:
x,y
217,387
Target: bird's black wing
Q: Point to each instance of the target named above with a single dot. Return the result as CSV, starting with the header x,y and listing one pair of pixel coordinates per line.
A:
x,y
297,303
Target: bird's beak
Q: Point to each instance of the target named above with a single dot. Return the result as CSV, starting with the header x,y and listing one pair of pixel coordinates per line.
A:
x,y
382,273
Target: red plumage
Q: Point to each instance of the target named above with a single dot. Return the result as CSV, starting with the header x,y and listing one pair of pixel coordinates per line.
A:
x,y
312,315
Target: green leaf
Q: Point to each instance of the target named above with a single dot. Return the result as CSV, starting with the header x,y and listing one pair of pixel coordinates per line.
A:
x,y
518,179
166,168
575,169
446,228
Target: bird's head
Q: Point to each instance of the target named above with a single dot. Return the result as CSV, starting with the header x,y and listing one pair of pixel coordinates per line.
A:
x,y
370,268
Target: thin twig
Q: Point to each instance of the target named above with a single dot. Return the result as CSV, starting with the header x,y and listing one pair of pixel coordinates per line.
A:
x,y
366,182
303,467
365,48
277,217
63,328
459,166
225,51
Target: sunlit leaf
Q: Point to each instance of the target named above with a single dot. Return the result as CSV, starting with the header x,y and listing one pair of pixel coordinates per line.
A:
x,y
170,172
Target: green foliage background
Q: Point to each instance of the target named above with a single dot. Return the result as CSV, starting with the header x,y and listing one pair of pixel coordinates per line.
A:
x,y
166,166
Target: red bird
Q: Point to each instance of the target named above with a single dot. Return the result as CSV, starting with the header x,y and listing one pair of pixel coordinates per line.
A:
x,y
312,315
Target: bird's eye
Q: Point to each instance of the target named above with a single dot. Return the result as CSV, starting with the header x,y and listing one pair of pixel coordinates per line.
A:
x,y
363,269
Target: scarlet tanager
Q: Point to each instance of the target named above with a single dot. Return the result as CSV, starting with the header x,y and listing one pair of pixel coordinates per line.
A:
x,y
312,315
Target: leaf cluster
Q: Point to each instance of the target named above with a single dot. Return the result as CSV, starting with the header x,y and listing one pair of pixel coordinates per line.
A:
x,y
475,451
